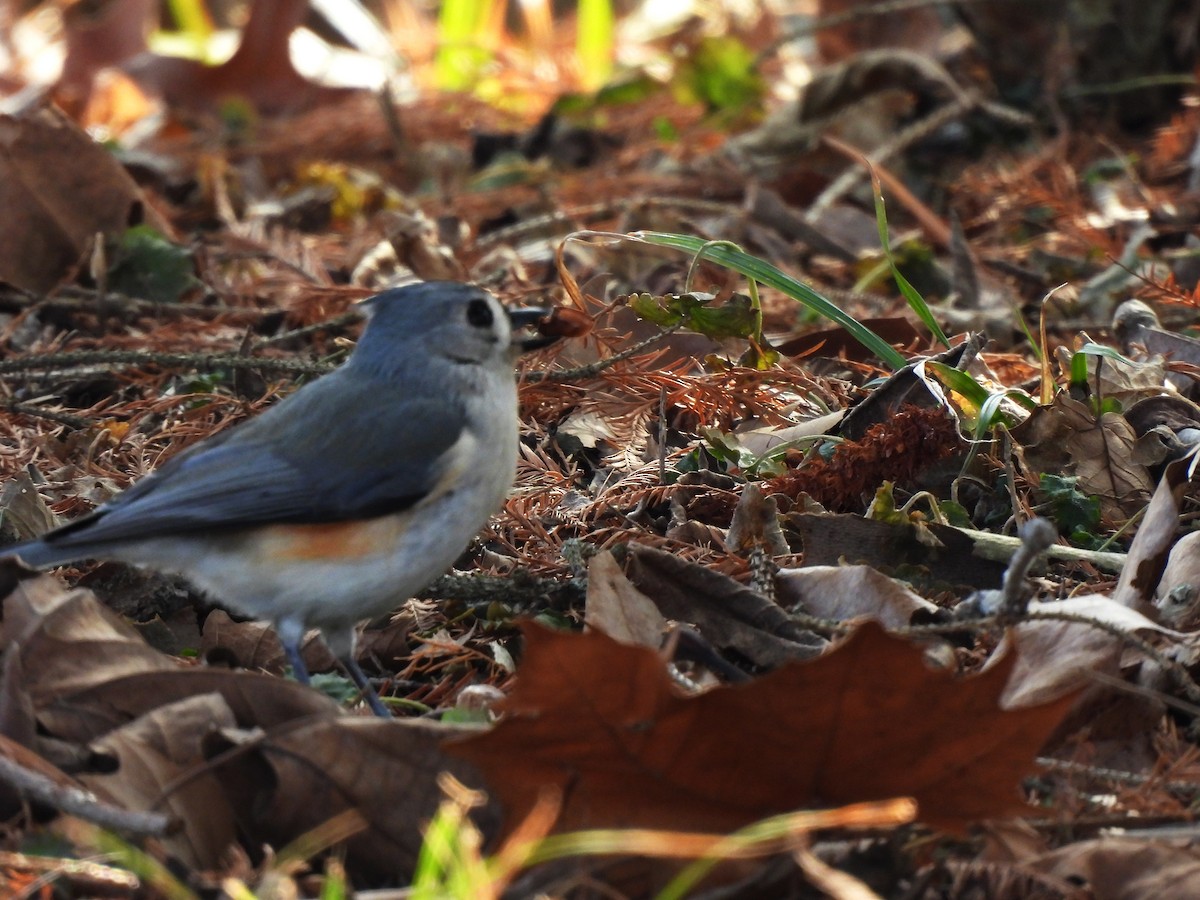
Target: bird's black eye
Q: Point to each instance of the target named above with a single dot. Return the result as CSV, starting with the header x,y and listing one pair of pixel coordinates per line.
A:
x,y
479,314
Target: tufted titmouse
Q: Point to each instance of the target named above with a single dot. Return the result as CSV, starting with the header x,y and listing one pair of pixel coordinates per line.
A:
x,y
344,499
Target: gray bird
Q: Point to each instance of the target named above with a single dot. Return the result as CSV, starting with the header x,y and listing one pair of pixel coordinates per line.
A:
x,y
349,496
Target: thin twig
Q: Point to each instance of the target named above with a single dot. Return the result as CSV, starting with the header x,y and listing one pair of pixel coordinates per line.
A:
x,y
91,877
566,220
601,364
964,103
861,11
1189,687
336,323
52,415
84,300
1117,775
80,803
197,361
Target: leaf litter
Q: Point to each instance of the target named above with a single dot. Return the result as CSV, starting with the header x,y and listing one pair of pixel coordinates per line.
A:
x,y
753,676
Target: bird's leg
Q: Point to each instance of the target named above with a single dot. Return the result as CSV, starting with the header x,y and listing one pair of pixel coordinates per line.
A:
x,y
341,641
368,692
291,633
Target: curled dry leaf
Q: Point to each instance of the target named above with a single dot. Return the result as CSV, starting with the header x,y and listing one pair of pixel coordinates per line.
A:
x,y
1179,587
68,641
153,754
24,515
567,322
850,592
254,645
298,777
1056,657
256,700
1147,555
727,614
604,723
84,671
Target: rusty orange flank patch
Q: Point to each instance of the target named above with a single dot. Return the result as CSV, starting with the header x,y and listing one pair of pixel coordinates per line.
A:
x,y
340,540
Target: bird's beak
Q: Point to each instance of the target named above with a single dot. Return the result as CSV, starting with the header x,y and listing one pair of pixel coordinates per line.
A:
x,y
531,317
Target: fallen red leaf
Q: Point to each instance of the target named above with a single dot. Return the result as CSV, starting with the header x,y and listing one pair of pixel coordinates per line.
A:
x,y
870,720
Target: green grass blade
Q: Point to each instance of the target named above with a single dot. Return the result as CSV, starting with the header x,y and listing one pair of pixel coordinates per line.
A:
x,y
960,382
914,298
595,40
765,273
460,54
1101,350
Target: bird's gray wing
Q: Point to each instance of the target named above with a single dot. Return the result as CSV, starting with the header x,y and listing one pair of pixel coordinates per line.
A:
x,y
343,453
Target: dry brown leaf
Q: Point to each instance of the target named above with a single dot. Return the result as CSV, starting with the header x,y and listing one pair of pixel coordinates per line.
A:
x,y
726,613
68,641
1125,381
156,750
300,776
1054,658
59,189
24,515
604,723
837,343
1147,555
263,700
617,608
1117,868
17,720
832,539
1179,588
1066,437
389,646
84,671
254,645
260,71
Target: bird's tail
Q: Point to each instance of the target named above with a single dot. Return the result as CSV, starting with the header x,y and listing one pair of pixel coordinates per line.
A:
x,y
40,555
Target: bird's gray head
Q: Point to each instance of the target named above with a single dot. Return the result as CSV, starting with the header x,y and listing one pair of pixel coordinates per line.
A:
x,y
445,319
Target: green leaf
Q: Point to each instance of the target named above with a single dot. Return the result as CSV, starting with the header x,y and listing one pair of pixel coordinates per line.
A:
x,y
1079,369
1074,511
664,129
631,89
722,74
760,355
653,309
956,514
765,273
1079,362
150,267
727,449
883,506
734,318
